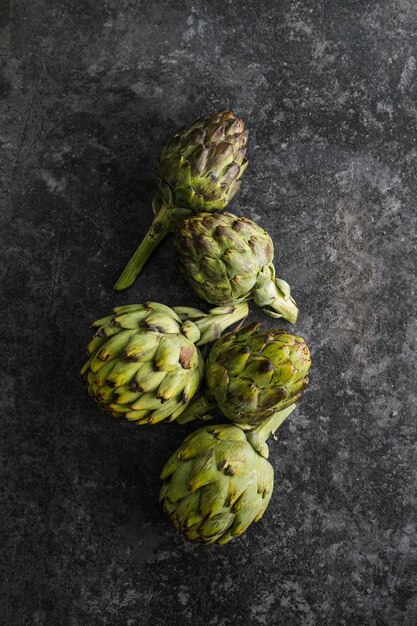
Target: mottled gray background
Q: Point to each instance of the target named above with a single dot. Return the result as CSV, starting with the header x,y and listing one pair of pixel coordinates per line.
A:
x,y
91,90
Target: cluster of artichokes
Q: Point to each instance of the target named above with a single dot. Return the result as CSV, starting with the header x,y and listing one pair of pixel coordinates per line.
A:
x,y
144,362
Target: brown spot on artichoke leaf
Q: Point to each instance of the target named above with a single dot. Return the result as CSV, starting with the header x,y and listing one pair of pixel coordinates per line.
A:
x,y
205,221
221,231
239,224
186,356
269,249
271,397
128,358
265,366
155,328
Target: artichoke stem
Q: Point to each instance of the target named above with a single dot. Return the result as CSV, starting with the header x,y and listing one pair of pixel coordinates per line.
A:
x,y
198,409
285,308
160,227
212,325
267,428
273,295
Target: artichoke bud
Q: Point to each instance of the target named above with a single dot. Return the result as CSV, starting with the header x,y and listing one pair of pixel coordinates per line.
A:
x,y
250,374
144,363
201,152
236,265
213,494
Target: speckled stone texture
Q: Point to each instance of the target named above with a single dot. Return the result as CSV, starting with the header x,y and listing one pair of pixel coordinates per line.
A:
x,y
90,92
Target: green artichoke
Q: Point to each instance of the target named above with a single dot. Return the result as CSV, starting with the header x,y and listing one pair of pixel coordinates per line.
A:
x,y
229,259
199,170
219,481
143,361
251,374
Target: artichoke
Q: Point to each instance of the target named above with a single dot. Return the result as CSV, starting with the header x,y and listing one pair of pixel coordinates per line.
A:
x,y
199,170
251,374
228,259
143,361
219,481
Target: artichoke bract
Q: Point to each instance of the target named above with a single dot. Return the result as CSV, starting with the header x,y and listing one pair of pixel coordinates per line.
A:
x,y
251,374
219,481
227,259
199,170
144,363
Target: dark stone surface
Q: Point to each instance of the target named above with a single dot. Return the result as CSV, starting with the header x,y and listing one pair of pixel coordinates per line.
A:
x,y
90,90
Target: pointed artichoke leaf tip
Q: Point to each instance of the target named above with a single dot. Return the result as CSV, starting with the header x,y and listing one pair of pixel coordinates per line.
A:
x,y
191,330
258,443
188,313
284,287
272,314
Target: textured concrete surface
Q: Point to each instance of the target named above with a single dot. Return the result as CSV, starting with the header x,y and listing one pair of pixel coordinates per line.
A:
x,y
90,90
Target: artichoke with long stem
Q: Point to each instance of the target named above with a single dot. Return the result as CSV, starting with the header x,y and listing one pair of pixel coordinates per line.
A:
x,y
143,361
228,259
198,170
219,481
251,374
